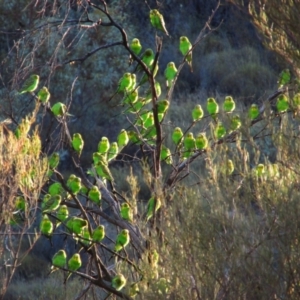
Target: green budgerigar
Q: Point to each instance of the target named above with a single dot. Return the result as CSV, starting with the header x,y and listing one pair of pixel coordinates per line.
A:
x,y
124,83
30,84
166,155
123,239
122,139
136,47
177,135
253,112
100,157
142,118
20,203
150,135
157,90
189,142
133,83
259,170
74,264
85,236
197,113
212,108
52,204
62,213
46,198
147,58
185,46
133,137
59,260
43,95
201,141
103,145
70,180
284,78
282,103
220,130
53,160
23,128
138,105
131,97
160,117
170,73
103,171
77,143
157,21
97,157
74,184
46,226
229,104
75,224
95,195
59,109
149,122
162,106
296,102
235,122
153,206
126,212
55,189
98,234
118,282
16,219
113,151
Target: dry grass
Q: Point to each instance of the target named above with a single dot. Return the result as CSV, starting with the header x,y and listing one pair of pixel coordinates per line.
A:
x,y
47,288
22,176
237,236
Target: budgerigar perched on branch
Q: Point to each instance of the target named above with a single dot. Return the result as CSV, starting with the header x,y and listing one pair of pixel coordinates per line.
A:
x,y
170,73
122,240
177,135
30,84
77,143
229,104
43,95
74,264
185,46
59,260
157,21
126,212
197,113
136,47
253,112
212,108
118,282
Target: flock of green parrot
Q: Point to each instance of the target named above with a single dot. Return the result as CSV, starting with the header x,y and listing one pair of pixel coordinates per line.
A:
x,y
54,209
59,261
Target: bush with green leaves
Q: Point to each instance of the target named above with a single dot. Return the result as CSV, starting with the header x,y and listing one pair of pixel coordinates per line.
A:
x,y
221,217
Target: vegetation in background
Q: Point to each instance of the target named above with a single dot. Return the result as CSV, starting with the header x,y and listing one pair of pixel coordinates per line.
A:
x,y
277,22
